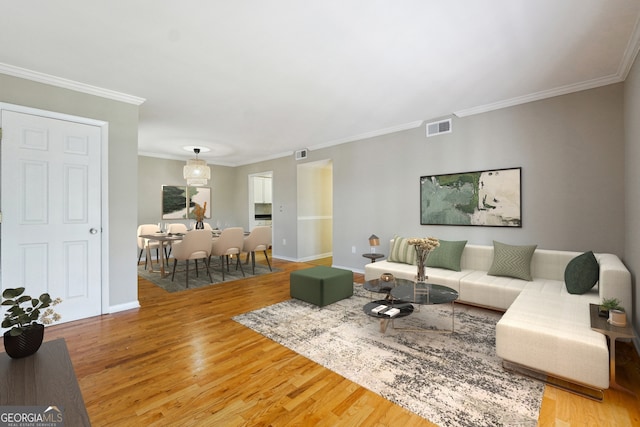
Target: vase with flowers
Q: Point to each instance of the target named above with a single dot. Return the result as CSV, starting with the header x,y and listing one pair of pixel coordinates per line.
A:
x,y
423,247
26,316
199,212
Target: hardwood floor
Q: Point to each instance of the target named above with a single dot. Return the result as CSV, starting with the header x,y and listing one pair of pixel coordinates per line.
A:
x,y
180,360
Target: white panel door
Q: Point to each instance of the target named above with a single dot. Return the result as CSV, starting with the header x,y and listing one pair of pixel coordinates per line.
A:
x,y
51,211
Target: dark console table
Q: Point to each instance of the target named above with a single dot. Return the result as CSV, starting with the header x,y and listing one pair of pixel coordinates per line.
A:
x,y
44,379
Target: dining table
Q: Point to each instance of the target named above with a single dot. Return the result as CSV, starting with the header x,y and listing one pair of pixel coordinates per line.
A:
x,y
164,239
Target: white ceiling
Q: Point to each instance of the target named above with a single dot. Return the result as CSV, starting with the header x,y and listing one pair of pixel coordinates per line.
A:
x,y
257,79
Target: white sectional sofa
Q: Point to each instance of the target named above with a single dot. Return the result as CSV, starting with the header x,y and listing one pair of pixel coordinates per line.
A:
x,y
544,328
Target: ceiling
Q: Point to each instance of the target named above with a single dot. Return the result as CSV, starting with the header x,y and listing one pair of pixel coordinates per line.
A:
x,y
257,79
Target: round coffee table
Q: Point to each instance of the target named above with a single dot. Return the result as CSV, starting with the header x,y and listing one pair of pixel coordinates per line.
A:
x,y
382,287
426,294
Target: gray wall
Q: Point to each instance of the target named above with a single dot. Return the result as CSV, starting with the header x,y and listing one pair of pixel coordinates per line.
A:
x,y
123,169
284,213
570,148
632,179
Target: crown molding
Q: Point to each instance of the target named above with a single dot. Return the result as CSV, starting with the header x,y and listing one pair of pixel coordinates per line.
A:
x,y
36,76
631,52
537,96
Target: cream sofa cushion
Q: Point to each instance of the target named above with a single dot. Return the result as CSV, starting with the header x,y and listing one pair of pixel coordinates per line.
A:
x,y
548,329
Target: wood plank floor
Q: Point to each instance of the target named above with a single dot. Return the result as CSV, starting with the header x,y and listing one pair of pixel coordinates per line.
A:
x,y
180,360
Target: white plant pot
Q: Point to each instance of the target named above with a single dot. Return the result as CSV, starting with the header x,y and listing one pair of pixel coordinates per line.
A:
x,y
617,318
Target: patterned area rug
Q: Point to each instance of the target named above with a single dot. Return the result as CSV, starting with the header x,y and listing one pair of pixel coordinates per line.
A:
x,y
178,284
449,379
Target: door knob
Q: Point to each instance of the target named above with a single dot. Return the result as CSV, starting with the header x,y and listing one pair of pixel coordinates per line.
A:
x,y
93,231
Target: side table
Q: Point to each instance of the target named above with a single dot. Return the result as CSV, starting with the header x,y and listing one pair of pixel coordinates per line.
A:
x,y
45,380
600,324
373,257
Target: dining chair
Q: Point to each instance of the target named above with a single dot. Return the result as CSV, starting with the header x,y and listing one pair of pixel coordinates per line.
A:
x,y
195,245
144,243
175,228
230,242
258,240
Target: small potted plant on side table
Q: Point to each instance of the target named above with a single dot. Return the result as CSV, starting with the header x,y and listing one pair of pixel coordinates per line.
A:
x,y
612,309
26,333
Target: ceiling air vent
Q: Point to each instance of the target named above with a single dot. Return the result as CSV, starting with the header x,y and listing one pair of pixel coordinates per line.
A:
x,y
437,128
301,154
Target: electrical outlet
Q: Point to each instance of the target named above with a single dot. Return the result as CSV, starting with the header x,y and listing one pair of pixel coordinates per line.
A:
x,y
353,249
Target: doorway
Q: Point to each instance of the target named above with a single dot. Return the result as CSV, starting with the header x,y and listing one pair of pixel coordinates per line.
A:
x,y
260,199
51,200
315,210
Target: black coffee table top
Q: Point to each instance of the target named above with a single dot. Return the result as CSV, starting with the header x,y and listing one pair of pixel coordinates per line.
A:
x,y
424,293
380,286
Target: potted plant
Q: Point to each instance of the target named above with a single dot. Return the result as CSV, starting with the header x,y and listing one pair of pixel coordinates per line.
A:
x,y
614,311
26,316
609,304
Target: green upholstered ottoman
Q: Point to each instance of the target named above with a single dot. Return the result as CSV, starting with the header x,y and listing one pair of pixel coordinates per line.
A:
x,y
321,285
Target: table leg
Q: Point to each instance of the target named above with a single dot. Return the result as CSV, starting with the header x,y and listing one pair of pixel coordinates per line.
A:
x,y
453,315
162,270
384,323
612,369
150,268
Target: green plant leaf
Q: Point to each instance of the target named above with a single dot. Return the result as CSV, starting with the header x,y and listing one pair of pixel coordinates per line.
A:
x,y
12,292
16,331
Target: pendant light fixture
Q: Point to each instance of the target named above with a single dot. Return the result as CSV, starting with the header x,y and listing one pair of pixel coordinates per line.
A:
x,y
196,171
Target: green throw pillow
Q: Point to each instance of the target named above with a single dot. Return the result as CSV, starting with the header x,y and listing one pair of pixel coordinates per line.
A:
x,y
512,261
447,255
582,273
402,251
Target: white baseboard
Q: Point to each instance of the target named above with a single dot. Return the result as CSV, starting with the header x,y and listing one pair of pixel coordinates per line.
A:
x,y
315,257
285,258
123,307
305,259
349,268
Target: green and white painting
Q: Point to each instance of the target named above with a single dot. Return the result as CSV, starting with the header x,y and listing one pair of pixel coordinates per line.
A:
x,y
486,198
174,201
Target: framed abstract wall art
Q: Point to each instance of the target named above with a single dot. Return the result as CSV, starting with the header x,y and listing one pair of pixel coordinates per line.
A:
x,y
490,198
174,201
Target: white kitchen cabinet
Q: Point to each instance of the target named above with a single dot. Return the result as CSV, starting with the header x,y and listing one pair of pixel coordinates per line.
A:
x,y
262,192
267,191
